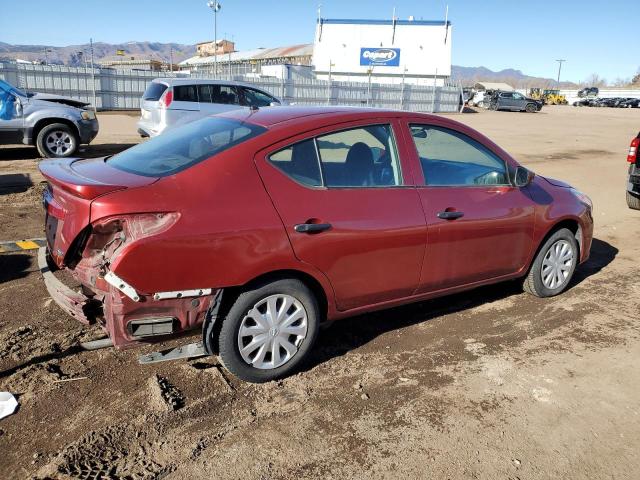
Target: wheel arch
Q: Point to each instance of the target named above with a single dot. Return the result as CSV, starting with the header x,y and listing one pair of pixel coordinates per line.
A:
x,y
228,296
43,122
571,224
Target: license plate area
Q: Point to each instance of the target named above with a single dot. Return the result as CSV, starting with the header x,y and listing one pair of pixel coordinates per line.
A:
x,y
51,230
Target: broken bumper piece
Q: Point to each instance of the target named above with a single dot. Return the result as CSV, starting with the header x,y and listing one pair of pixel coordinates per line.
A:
x,y
74,303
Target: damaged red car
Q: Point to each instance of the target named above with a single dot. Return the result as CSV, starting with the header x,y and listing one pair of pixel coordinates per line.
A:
x,y
255,227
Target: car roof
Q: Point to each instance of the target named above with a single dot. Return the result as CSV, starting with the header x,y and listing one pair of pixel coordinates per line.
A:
x,y
271,116
201,81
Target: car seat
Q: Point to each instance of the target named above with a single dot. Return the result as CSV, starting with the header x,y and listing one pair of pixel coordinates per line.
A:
x,y
359,166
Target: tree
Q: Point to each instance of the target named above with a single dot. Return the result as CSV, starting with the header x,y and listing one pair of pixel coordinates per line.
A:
x,y
594,80
636,79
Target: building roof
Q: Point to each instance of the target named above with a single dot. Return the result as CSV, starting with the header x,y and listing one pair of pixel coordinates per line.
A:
x,y
350,21
255,54
494,86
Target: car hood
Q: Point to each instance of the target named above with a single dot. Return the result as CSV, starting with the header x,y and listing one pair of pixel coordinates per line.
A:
x,y
59,99
557,183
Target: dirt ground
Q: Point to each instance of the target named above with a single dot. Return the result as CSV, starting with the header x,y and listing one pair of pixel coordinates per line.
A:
x,y
492,383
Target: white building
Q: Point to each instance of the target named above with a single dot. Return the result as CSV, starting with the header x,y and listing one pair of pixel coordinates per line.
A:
x,y
389,50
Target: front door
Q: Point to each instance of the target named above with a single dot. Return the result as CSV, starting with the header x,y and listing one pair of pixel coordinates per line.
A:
x,y
480,227
342,197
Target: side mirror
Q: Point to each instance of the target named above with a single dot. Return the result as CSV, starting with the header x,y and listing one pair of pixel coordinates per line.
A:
x,y
523,177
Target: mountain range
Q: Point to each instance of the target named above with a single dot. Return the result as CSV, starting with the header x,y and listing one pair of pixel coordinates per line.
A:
x,y
71,55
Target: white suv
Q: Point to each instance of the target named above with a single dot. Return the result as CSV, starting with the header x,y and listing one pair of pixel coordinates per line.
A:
x,y
169,102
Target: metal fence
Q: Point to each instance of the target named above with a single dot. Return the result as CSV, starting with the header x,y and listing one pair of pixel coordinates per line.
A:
x,y
122,89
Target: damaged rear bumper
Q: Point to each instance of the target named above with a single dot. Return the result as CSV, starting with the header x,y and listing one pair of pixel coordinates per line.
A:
x,y
74,303
127,316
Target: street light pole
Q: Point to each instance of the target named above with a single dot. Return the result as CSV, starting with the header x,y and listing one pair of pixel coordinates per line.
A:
x,y
215,6
559,69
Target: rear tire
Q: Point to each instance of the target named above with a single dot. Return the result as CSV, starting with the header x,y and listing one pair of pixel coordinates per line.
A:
x,y
57,140
257,346
554,265
632,201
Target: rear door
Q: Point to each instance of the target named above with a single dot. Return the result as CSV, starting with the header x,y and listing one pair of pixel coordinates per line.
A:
x,y
217,98
349,210
480,227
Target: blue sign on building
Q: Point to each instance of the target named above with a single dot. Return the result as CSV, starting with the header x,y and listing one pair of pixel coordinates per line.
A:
x,y
382,57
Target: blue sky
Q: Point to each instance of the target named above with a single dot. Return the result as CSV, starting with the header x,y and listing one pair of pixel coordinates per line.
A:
x,y
526,35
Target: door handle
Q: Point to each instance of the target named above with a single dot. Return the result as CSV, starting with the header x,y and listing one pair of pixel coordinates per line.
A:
x,y
311,227
446,215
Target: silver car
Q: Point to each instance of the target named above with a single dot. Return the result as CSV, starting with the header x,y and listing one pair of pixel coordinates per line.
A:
x,y
169,102
56,125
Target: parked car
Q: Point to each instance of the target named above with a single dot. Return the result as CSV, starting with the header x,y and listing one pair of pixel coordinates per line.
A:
x,y
257,226
630,103
633,182
56,125
171,102
514,101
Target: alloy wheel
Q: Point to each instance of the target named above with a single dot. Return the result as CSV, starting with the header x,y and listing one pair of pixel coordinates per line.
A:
x,y
59,142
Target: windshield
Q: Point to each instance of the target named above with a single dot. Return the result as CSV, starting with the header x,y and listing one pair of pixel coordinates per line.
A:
x,y
183,147
7,87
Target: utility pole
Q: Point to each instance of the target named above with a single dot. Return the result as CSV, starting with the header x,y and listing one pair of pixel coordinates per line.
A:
x,y
215,6
93,78
559,69
171,59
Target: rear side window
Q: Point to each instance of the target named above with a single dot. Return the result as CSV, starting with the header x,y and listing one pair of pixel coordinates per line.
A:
x,y
450,158
185,93
178,149
154,91
359,157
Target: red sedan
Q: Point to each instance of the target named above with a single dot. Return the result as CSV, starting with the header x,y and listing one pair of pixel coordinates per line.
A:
x,y
258,226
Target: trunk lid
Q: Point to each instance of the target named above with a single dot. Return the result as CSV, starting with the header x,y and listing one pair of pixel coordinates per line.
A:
x,y
73,185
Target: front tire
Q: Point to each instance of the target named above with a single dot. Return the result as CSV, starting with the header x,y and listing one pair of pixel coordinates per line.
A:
x,y
531,108
57,141
269,331
554,265
633,202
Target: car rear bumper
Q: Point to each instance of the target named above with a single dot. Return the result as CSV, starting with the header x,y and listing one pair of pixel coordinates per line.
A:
x,y
149,129
633,184
126,321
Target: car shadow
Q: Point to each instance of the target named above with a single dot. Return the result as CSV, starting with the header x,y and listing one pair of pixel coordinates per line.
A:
x,y
14,183
18,153
14,266
602,254
352,333
85,151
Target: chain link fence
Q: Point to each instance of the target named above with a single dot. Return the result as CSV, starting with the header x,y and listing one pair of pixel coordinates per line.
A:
x,y
122,89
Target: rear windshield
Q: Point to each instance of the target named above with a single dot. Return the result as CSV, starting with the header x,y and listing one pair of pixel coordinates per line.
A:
x,y
183,147
154,91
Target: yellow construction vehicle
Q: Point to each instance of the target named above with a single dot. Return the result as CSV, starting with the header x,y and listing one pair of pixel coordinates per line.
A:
x,y
553,97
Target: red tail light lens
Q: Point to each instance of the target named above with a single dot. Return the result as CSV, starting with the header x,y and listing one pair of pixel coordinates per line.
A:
x,y
633,150
109,235
167,98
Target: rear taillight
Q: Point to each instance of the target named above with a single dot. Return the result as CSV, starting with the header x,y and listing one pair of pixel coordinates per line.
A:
x,y
110,234
633,150
166,98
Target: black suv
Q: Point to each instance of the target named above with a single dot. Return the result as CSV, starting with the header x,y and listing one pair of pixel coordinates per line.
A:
x,y
514,101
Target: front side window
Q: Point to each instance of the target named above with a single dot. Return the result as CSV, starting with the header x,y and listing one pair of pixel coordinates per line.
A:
x,y
178,149
185,93
517,96
226,94
358,157
255,98
450,158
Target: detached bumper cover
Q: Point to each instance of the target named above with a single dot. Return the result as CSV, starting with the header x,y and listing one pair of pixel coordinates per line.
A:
x,y
72,302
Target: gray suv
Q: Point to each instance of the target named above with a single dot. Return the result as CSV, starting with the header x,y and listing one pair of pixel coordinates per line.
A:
x,y
514,101
170,102
56,125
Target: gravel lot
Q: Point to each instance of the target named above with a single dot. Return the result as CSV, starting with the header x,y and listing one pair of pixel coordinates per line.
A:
x,y
492,383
